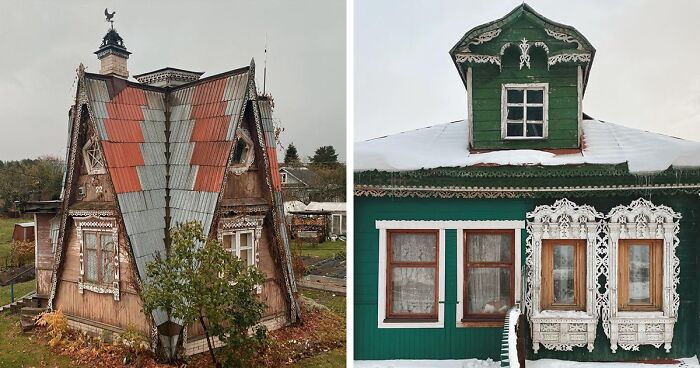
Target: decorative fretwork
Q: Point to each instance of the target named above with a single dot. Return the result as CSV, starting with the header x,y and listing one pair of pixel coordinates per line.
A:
x,y
483,38
628,330
243,152
568,58
524,53
103,225
563,37
562,330
231,225
94,161
478,59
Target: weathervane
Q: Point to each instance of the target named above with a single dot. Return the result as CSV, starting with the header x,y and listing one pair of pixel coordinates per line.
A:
x,y
109,17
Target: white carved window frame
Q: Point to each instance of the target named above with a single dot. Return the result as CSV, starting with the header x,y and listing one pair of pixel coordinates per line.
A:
x,y
93,158
517,226
383,226
105,225
242,135
233,226
630,329
562,330
545,108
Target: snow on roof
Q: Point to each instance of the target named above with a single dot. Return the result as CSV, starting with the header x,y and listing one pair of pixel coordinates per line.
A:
x,y
294,206
326,206
445,145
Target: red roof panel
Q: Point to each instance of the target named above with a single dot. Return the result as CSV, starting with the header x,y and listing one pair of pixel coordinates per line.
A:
x,y
123,154
209,178
123,130
210,129
125,179
211,153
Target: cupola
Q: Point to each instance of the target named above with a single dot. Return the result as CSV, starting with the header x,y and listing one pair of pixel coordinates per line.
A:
x,y
113,55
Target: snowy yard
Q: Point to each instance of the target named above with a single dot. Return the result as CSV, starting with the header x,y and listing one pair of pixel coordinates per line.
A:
x,y
542,363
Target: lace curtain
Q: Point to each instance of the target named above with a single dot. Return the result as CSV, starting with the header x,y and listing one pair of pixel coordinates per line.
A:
x,y
488,280
413,286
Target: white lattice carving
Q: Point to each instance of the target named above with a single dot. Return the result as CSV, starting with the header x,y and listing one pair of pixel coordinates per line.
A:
x,y
542,45
105,225
563,37
562,330
238,168
524,53
567,58
484,37
628,330
231,225
479,59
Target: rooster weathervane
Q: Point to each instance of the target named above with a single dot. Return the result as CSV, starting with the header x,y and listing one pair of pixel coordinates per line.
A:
x,y
109,17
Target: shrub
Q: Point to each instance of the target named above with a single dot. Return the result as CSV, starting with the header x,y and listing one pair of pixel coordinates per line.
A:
x,y
56,324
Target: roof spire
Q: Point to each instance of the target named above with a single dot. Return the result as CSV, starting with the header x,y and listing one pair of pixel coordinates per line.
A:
x,y
109,17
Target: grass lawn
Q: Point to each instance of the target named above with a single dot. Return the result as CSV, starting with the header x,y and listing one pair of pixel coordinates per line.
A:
x,y
323,250
331,359
335,303
7,226
21,290
18,349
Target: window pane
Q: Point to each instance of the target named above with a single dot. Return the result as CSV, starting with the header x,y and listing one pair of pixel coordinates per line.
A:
x,y
488,290
413,247
515,95
534,130
247,256
534,113
227,242
535,96
514,130
90,266
639,274
489,247
89,240
246,240
413,290
107,258
515,113
563,270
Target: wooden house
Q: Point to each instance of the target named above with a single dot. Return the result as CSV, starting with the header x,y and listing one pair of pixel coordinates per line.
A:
x,y
589,227
143,157
298,183
23,231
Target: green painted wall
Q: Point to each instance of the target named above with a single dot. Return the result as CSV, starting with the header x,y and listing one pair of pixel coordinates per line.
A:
x,y
487,81
451,342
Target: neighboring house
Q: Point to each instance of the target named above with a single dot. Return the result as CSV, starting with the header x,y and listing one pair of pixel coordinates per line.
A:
x,y
337,215
298,182
144,157
311,226
589,226
23,231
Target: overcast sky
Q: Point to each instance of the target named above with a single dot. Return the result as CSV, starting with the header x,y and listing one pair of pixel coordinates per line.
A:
x,y
644,75
44,41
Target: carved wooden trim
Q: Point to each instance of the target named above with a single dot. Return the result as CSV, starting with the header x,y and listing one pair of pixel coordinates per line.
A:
x,y
104,225
231,225
628,330
562,330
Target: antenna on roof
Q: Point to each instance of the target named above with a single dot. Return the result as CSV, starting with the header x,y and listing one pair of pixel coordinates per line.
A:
x,y
265,66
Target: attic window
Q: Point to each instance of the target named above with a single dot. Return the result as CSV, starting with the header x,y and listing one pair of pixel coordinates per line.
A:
x,y
94,163
243,154
524,111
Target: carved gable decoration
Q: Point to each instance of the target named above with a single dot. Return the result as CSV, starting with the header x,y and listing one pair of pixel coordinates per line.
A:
x,y
562,329
629,329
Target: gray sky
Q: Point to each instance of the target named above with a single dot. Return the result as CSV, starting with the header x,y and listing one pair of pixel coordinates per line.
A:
x,y
44,41
644,74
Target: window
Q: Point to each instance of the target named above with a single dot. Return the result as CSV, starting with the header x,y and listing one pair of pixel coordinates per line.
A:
x,y
640,275
412,275
98,257
488,274
94,163
283,177
524,111
563,274
240,244
243,155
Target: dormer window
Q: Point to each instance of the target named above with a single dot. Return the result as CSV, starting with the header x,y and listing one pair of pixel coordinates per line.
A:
x,y
524,111
94,163
243,154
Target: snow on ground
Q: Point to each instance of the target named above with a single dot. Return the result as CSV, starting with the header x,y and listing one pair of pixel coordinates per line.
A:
x,y
446,145
513,315
468,363
542,363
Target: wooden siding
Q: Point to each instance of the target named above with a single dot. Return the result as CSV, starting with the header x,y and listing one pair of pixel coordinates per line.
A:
x,y
94,306
44,254
487,81
451,342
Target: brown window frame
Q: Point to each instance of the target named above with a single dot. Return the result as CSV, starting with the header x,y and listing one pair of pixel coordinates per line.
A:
x,y
656,275
390,265
98,253
547,282
478,317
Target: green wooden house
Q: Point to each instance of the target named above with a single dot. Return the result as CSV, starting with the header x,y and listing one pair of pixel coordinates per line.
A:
x,y
589,227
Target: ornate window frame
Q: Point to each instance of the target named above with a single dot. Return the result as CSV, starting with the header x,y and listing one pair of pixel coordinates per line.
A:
x,y
240,223
93,158
102,225
562,330
628,330
242,135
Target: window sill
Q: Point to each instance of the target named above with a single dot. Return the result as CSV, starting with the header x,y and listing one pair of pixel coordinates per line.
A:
x,y
411,320
480,323
410,323
524,138
99,288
